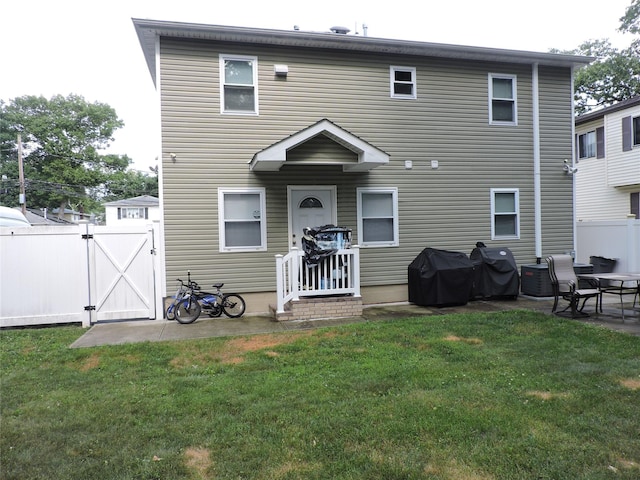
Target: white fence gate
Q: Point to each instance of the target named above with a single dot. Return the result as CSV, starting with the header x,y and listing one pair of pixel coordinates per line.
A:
x,y
83,274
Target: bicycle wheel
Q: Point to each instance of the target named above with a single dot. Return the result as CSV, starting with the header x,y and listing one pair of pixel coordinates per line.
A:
x,y
233,305
188,310
171,312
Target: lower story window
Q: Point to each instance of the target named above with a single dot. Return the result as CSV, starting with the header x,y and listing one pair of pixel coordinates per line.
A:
x,y
242,222
505,213
378,217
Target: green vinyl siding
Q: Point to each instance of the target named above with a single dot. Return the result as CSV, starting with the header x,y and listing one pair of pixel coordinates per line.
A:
x,y
447,207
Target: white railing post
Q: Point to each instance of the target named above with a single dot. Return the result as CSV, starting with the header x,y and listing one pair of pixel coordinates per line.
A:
x,y
294,274
356,270
280,283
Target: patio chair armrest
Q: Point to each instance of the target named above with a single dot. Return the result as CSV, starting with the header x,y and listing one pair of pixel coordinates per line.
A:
x,y
569,283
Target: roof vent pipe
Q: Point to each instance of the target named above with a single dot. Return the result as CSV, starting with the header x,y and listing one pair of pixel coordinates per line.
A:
x,y
340,30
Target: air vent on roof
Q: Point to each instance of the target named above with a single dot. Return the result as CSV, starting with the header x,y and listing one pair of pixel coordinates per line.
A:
x,y
340,30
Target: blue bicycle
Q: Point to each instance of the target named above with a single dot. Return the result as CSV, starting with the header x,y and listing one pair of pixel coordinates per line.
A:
x,y
190,301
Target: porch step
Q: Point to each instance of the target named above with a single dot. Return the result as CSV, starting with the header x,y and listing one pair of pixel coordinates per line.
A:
x,y
318,308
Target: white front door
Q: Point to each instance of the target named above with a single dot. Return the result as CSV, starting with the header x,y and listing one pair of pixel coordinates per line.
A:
x,y
310,206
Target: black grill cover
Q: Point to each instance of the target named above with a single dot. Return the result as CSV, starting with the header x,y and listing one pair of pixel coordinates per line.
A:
x,y
495,273
440,278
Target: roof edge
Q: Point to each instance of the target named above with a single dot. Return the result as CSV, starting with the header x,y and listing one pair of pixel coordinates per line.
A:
x,y
587,117
149,30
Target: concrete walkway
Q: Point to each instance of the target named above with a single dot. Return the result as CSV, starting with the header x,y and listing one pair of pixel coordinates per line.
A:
x,y
115,333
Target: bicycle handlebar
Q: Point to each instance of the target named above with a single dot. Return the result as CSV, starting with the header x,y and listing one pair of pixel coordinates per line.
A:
x,y
190,284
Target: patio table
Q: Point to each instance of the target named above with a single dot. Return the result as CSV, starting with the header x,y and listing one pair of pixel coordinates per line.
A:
x,y
617,284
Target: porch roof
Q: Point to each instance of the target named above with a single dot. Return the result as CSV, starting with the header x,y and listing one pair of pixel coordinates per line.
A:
x,y
274,157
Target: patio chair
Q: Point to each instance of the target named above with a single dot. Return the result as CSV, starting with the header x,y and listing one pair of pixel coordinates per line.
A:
x,y
565,286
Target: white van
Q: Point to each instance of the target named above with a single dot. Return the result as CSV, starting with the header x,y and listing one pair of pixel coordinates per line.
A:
x,y
10,217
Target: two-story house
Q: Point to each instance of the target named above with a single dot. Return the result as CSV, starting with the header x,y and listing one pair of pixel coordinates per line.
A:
x,y
408,144
608,155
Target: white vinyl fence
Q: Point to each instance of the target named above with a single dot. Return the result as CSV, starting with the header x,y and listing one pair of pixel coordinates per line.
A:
x,y
78,274
615,239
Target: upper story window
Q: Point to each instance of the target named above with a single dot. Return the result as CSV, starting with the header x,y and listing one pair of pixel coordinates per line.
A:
x,y
241,217
377,217
239,84
636,130
503,107
505,213
403,82
133,213
587,145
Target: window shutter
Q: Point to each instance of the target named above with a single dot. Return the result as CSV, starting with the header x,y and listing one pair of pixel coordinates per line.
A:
x,y
119,213
146,213
600,142
626,134
635,204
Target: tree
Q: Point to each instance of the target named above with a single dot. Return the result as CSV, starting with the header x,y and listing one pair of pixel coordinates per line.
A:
x,y
615,74
61,143
630,22
130,183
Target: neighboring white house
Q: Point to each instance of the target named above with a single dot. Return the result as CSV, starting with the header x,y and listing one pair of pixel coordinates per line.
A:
x,y
132,211
608,154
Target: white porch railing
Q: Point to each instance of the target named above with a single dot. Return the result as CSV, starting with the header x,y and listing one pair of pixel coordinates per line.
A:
x,y
338,274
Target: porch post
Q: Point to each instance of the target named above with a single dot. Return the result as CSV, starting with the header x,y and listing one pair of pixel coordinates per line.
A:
x,y
279,284
294,274
356,270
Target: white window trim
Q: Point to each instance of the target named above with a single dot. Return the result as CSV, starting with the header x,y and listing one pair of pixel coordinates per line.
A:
x,y
392,81
514,86
221,219
516,192
222,58
382,190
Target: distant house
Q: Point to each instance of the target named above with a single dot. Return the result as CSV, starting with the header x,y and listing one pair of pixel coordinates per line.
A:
x,y
39,217
70,215
408,144
608,154
132,211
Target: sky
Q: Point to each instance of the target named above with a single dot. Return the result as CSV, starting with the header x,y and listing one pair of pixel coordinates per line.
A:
x,y
90,48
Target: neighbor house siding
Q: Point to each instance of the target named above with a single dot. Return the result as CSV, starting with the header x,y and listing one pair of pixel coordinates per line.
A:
x,y
623,167
595,198
604,185
447,207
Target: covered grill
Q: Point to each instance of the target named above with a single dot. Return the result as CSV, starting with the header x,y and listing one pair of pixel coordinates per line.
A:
x,y
440,278
495,273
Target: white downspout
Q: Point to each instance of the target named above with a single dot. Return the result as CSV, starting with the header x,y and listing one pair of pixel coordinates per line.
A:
x,y
573,164
161,275
537,195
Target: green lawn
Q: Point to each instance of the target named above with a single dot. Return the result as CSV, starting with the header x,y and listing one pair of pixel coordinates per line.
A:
x,y
514,395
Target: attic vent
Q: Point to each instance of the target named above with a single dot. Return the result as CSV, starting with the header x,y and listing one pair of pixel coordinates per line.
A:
x,y
340,30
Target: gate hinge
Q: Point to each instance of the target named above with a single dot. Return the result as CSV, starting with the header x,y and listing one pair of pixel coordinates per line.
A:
x,y
90,307
87,236
153,251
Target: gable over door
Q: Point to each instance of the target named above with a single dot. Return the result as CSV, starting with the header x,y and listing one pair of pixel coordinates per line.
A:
x,y
310,206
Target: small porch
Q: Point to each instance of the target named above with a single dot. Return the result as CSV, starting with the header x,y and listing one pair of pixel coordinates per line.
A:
x,y
330,289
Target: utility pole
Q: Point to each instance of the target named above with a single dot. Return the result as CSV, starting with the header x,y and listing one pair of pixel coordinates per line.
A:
x,y
23,196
